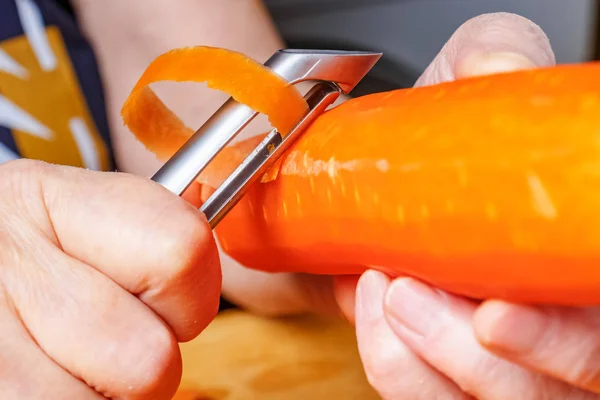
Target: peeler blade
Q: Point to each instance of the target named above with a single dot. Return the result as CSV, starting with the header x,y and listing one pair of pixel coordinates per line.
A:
x,y
264,156
341,70
344,68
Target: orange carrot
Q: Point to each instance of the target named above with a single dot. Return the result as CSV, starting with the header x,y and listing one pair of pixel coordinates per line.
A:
x,y
487,187
244,79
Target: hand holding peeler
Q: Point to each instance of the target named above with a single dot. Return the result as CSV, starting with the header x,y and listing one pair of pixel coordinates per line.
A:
x,y
335,72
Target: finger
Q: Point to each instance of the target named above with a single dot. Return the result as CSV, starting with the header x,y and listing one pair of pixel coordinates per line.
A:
x,y
344,290
152,243
277,294
391,367
92,327
490,43
563,343
437,326
26,372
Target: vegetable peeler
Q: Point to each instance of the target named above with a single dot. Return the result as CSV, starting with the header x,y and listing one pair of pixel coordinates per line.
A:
x,y
335,73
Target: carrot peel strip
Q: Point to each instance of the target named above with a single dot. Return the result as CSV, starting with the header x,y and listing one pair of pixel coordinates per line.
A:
x,y
244,79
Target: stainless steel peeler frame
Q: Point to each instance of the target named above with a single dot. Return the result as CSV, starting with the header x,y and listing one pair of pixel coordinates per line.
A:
x,y
335,72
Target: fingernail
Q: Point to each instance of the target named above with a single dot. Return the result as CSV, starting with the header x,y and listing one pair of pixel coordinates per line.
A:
x,y
492,63
370,293
509,328
414,306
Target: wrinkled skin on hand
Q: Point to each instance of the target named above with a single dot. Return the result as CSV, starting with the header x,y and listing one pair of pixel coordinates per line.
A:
x,y
101,274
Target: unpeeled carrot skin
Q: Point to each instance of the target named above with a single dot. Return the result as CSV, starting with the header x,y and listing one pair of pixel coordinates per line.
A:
x,y
486,187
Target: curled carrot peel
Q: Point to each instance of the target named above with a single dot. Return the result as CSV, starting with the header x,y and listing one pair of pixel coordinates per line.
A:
x,y
244,79
487,187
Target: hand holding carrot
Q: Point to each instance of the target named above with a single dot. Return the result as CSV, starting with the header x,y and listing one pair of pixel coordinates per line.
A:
x,y
420,343
101,274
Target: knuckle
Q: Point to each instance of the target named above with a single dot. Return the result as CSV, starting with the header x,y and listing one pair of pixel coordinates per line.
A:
x,y
494,20
19,176
511,31
20,203
200,309
189,243
25,166
160,370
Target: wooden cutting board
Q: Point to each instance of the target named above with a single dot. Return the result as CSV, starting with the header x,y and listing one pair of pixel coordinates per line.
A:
x,y
241,356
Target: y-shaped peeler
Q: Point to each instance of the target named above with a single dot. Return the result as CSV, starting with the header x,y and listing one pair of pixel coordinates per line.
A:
x,y
336,72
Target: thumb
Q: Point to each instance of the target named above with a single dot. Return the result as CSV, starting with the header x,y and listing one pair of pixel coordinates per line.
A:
x,y
487,44
149,241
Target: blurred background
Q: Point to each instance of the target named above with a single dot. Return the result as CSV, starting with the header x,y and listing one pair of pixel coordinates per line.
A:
x,y
411,32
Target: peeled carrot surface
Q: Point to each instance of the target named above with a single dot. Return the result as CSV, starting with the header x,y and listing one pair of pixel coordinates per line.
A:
x,y
487,187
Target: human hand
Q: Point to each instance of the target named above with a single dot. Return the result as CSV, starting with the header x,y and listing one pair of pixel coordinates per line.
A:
x,y
101,274
417,342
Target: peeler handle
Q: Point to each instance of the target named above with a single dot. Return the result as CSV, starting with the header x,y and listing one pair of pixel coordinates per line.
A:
x,y
321,96
183,168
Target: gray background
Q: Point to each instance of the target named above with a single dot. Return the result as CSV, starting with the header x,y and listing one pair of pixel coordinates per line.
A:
x,y
412,31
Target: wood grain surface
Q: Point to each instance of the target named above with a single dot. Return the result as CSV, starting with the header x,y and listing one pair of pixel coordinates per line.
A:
x,y
241,356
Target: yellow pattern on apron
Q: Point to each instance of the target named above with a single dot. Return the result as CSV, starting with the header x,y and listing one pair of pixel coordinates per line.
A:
x,y
55,100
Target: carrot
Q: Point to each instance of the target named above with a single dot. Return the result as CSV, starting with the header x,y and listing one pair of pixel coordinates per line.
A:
x,y
486,187
244,79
